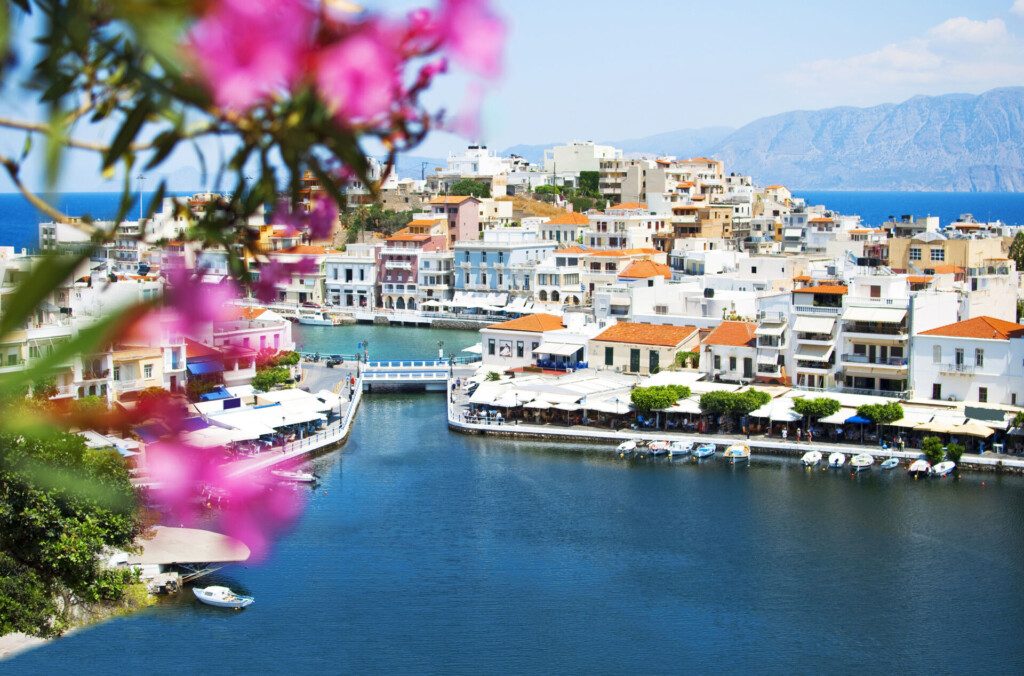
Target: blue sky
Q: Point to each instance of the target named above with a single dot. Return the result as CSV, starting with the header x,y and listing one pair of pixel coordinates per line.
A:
x,y
596,69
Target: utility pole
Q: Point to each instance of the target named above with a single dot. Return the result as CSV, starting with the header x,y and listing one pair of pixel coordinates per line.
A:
x,y
141,179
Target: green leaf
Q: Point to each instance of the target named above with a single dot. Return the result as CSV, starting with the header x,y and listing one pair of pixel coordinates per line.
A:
x,y
44,279
27,148
165,144
56,134
127,133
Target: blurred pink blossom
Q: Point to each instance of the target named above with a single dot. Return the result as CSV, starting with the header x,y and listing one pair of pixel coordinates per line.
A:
x,y
322,218
473,34
358,76
190,304
249,49
276,272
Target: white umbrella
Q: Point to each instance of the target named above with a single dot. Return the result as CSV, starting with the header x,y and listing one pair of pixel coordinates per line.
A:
x,y
538,405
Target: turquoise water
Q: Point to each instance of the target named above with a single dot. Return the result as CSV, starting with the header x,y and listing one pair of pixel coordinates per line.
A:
x,y
425,551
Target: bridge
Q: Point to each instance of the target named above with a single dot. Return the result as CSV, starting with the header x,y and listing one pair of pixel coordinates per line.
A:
x,y
429,374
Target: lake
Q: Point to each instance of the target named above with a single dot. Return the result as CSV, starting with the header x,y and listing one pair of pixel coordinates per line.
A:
x,y
425,551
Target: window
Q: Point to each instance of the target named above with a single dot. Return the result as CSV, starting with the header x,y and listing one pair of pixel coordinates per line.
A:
x,y
117,373
936,391
490,346
33,351
718,363
1013,398
609,356
534,345
979,357
938,254
958,356
936,354
753,270
652,360
915,253
732,363
147,371
520,348
875,291
983,394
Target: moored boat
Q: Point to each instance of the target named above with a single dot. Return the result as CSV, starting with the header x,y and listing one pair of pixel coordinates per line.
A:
x,y
890,463
222,597
943,468
738,452
298,477
811,458
315,319
658,448
919,468
677,448
704,451
862,462
837,459
626,447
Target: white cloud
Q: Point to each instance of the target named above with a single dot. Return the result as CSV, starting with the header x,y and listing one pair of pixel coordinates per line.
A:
x,y
1018,7
958,55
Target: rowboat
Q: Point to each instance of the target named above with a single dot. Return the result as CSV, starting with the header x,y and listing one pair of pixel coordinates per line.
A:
x,y
222,597
297,477
658,448
739,452
862,462
891,463
677,448
704,451
919,468
811,458
626,447
836,459
943,468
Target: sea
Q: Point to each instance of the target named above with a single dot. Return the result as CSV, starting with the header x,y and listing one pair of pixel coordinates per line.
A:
x,y
19,219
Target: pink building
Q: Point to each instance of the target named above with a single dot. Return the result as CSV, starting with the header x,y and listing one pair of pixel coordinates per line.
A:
x,y
462,214
398,261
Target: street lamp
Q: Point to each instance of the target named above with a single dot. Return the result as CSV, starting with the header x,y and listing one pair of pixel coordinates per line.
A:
x,y
440,350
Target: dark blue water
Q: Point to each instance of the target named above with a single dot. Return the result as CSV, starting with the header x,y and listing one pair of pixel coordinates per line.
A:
x,y
876,207
429,552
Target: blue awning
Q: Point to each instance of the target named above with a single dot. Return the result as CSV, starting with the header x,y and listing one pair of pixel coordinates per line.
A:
x,y
199,368
214,395
858,420
151,432
193,424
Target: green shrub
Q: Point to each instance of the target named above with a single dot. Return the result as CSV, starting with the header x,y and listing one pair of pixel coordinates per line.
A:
x,y
268,378
819,407
955,451
658,397
881,414
932,448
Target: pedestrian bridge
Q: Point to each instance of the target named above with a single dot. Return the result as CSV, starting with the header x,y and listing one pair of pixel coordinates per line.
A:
x,y
431,374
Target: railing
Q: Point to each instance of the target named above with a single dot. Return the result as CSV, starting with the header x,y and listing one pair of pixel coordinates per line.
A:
x,y
95,375
875,329
816,309
814,337
121,385
958,368
863,359
410,376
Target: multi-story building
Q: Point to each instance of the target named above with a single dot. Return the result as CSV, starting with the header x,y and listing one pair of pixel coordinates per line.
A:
x,y
815,334
302,287
398,262
350,277
729,352
577,156
435,280
502,262
624,226
634,347
462,214
923,253
567,228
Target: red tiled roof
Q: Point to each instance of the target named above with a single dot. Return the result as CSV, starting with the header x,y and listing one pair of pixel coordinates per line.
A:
x,y
945,269
735,334
988,328
452,199
304,249
645,269
824,289
569,218
628,205
196,350
537,323
637,333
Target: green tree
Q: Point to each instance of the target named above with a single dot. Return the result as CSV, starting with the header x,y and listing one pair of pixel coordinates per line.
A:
x,y
658,397
268,378
932,448
881,414
1017,250
819,407
467,186
589,184
955,451
373,218
688,359
62,507
493,376
734,404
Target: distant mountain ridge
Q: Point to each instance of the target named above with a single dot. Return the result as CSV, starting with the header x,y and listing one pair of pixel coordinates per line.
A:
x,y
954,142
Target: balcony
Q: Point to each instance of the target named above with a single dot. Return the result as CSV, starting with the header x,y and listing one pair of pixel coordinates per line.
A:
x,y
88,376
875,330
863,362
129,385
817,367
958,369
397,265
814,338
817,309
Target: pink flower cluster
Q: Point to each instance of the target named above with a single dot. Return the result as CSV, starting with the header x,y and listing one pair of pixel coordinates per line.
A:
x,y
319,221
276,272
251,50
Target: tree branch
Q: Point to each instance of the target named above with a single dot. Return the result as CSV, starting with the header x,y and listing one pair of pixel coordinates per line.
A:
x,y
13,169
24,125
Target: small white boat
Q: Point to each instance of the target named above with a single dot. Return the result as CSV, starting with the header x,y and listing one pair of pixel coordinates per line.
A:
x,y
836,459
677,448
222,597
943,468
626,447
811,458
298,477
739,452
862,462
316,319
919,468
658,447
890,463
704,451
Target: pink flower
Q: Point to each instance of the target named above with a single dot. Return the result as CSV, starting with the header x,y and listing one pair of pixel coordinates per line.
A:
x,y
358,76
277,272
190,305
322,218
249,49
473,34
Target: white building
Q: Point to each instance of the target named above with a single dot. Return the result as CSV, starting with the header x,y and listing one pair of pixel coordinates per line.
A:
x,y
351,277
577,156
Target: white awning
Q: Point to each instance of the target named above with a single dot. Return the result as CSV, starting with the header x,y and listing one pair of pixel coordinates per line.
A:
x,y
792,232
568,407
767,359
770,330
887,315
839,417
688,406
814,324
814,352
912,418
474,349
539,405
792,248
558,349
616,407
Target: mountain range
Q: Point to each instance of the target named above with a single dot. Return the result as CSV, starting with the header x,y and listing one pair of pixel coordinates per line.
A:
x,y
954,142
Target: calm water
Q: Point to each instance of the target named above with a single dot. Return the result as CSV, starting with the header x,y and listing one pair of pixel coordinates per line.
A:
x,y
425,551
386,342
876,207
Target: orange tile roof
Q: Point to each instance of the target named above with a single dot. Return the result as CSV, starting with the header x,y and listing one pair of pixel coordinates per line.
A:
x,y
425,221
628,205
645,269
701,159
825,289
250,312
537,323
735,334
946,269
861,231
919,279
637,333
820,219
685,184
451,199
569,218
196,350
688,207
572,249
408,237
774,187
802,278
305,249
988,328
624,252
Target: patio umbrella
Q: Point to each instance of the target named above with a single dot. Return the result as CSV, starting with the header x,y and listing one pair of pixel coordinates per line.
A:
x,y
973,428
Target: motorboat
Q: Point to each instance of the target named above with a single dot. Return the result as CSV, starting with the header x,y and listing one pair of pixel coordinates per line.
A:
x,y
297,477
704,451
739,452
811,458
626,447
658,447
862,462
943,468
678,448
919,468
315,319
836,459
890,463
222,597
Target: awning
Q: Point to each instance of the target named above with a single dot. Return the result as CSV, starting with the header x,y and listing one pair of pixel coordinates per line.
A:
x,y
792,232
885,315
474,349
973,428
940,426
770,330
768,359
912,418
558,349
839,417
858,420
792,248
199,368
814,352
568,407
687,406
814,324
615,407
538,405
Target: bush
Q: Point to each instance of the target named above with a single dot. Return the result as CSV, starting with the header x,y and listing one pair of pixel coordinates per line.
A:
x,y
819,407
268,378
733,403
881,414
691,358
658,397
932,448
470,187
493,375
955,451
